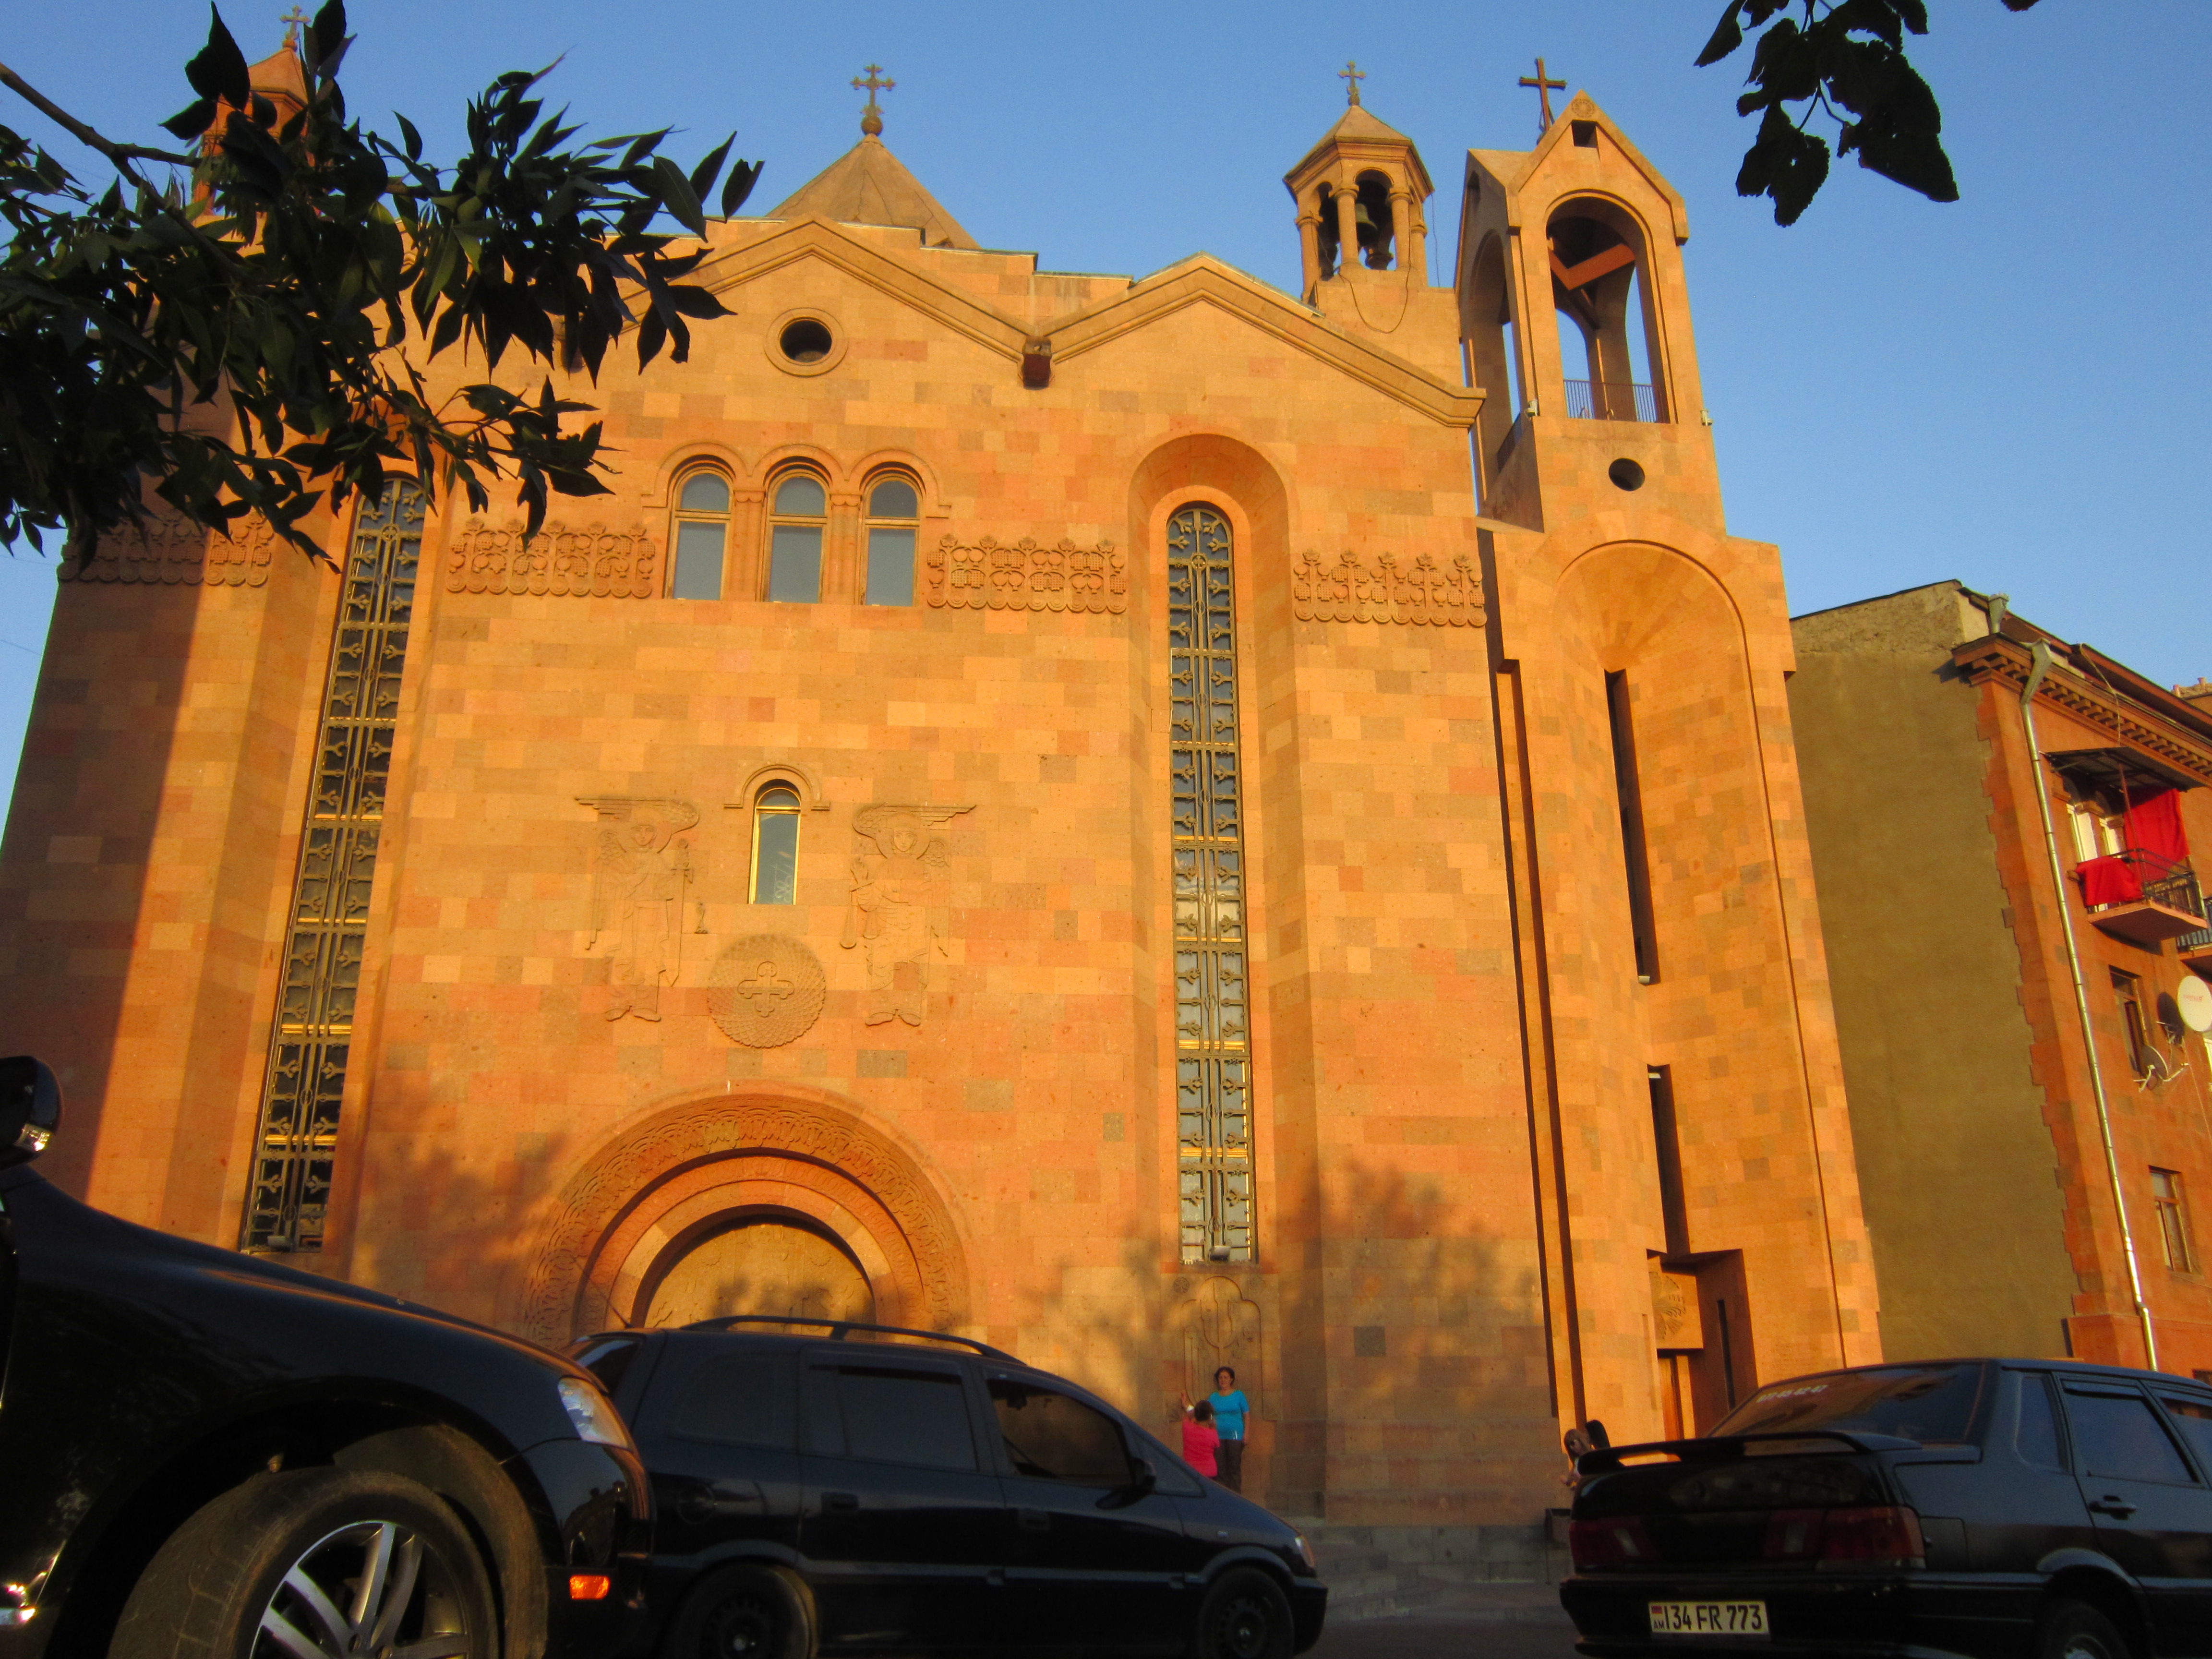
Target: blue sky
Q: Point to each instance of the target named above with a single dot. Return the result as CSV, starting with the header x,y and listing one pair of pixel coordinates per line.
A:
x,y
2014,389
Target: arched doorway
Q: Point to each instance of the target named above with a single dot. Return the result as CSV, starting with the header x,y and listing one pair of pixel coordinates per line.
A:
x,y
776,1263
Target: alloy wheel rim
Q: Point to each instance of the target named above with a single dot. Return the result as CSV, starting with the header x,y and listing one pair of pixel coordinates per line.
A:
x,y
373,1589
746,1628
1244,1628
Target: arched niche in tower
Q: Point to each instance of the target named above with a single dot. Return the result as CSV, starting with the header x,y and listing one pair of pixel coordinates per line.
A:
x,y
1493,352
1325,234
1378,232
1610,350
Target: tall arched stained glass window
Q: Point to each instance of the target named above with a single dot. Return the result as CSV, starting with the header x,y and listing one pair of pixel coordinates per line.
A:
x,y
775,845
1213,1056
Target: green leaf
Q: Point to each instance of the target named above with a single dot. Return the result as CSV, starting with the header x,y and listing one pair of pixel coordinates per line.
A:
x,y
1726,37
677,196
218,69
739,185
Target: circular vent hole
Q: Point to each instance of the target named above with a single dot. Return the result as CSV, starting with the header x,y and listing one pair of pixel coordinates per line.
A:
x,y
1625,473
804,341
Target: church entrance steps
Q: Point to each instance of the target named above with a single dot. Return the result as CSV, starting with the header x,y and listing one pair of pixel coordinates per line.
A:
x,y
1378,1571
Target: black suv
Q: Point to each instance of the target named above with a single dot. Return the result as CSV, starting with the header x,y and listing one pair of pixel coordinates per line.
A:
x,y
1983,1507
911,1492
205,1454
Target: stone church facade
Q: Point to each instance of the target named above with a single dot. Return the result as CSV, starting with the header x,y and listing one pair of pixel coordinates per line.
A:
x,y
1056,807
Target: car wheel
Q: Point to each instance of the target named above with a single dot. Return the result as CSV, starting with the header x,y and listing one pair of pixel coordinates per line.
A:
x,y
2074,1630
744,1612
1245,1615
314,1562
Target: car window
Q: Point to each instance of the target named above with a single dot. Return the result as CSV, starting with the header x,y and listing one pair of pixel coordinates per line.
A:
x,y
607,1357
1051,1437
2193,1417
1932,1404
2035,1432
2118,1434
746,1399
901,1414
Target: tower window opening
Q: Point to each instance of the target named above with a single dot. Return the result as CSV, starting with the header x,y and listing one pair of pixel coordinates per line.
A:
x,y
798,512
775,845
1326,235
1633,849
1585,134
1608,323
894,518
1667,1145
1372,217
702,529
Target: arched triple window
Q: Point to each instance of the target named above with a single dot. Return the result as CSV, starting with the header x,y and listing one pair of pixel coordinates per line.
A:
x,y
893,516
797,514
702,534
775,845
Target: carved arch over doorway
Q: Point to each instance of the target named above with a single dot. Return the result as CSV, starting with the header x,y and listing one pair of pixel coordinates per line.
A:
x,y
650,1192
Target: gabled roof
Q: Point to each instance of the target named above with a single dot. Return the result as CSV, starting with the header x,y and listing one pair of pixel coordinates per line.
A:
x,y
869,186
280,75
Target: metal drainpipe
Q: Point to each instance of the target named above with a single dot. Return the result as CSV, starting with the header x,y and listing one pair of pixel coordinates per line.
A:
x,y
2042,666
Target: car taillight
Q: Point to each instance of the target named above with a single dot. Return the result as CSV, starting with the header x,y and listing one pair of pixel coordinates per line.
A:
x,y
1794,1534
1888,1537
1616,1542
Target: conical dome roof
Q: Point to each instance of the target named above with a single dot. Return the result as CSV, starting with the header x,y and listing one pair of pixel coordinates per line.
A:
x,y
869,186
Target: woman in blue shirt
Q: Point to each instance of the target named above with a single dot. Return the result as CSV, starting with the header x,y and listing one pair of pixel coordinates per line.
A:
x,y
1231,1408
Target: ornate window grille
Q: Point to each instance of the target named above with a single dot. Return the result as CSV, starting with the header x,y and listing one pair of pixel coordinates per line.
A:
x,y
1213,1056
312,1035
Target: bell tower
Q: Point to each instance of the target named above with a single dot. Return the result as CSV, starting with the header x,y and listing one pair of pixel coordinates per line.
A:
x,y
1363,228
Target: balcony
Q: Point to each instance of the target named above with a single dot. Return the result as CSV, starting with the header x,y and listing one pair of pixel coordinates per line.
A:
x,y
1611,400
2195,950
2142,898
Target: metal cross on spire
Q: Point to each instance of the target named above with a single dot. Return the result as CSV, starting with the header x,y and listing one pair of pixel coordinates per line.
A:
x,y
872,119
1351,75
1544,87
291,21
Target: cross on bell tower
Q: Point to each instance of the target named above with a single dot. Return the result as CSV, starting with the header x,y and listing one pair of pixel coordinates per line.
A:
x,y
872,119
1545,87
291,21
1351,75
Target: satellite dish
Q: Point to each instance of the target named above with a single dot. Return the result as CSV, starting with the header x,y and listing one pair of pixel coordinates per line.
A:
x,y
2194,998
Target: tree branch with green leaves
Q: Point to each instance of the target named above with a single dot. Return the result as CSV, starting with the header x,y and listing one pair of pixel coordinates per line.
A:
x,y
1842,61
248,328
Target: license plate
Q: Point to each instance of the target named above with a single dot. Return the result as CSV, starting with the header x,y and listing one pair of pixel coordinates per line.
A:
x,y
1709,1619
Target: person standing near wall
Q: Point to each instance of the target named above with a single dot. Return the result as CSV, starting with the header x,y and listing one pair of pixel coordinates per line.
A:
x,y
1230,1409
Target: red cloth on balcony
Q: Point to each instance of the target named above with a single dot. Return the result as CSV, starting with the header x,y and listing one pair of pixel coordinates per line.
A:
x,y
2155,825
2110,880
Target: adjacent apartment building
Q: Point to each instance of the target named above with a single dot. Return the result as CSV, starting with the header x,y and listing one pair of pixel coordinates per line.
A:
x,y
2002,822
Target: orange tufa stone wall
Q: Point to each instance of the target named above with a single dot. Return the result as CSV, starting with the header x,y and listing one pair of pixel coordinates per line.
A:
x,y
578,1048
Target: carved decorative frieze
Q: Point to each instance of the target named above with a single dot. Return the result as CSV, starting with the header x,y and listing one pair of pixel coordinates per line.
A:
x,y
1422,593
590,563
896,914
768,991
992,575
175,550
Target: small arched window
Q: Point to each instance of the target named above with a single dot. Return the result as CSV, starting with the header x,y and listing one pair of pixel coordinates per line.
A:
x,y
703,532
798,511
775,845
1371,215
894,515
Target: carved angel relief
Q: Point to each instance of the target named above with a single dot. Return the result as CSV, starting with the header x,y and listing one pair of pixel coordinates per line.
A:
x,y
896,914
641,869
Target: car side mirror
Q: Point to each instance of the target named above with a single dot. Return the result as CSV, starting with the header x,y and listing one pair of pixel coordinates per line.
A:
x,y
1143,1482
30,1109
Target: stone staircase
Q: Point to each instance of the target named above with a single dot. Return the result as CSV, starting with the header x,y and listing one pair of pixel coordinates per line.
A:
x,y
1374,1572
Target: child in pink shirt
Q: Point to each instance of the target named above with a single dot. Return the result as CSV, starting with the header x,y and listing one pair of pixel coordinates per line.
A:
x,y
1200,1439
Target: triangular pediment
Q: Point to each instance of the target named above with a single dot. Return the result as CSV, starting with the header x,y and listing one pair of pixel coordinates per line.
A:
x,y
1582,107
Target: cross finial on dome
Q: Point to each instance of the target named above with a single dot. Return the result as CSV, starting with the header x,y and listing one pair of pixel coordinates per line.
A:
x,y
1351,75
291,21
872,119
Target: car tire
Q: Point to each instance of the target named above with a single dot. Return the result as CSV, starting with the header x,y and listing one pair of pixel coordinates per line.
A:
x,y
2074,1630
297,1548
744,1612
1245,1615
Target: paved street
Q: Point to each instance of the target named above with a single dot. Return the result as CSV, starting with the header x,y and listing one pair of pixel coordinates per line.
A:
x,y
1501,1621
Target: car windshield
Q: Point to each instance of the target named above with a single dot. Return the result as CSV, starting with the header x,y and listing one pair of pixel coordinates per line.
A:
x,y
1932,1404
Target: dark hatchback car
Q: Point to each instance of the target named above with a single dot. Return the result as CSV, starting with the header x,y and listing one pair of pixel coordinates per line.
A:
x,y
883,1490
204,1454
1980,1507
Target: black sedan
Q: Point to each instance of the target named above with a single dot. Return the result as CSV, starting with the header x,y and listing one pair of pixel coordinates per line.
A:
x,y
204,1454
1976,1507
871,1490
